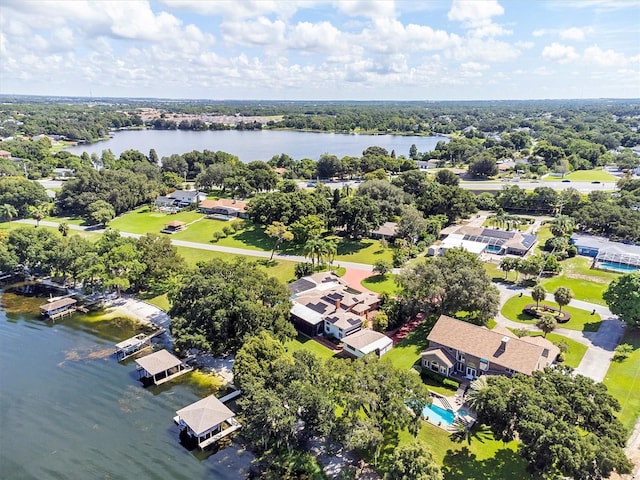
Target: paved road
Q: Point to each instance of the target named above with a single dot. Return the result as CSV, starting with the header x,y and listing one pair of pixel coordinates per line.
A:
x,y
582,187
601,344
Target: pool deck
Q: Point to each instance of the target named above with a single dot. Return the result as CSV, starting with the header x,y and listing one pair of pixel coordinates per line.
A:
x,y
453,404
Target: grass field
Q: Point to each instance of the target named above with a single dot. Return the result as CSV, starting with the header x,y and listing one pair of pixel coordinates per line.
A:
x,y
305,343
407,352
581,320
479,456
381,284
623,381
144,221
598,175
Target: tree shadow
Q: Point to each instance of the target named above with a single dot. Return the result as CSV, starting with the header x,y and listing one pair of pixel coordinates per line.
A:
x,y
375,279
462,464
255,237
348,246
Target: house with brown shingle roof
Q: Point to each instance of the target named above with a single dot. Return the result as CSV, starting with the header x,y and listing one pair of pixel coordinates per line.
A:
x,y
463,349
224,207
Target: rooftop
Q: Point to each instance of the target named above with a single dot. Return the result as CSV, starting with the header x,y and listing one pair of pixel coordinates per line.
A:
x,y
63,302
158,362
205,414
603,243
367,340
524,355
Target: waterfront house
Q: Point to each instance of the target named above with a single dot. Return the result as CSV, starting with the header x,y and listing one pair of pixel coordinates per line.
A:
x,y
205,421
458,348
367,341
160,367
324,304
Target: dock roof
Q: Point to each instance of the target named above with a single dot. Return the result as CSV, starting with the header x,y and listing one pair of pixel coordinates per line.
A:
x,y
205,414
63,302
158,362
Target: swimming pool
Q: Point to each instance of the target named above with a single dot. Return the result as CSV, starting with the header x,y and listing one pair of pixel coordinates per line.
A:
x,y
618,266
493,248
438,414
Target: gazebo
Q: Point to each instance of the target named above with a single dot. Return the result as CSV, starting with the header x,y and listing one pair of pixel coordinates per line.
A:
x,y
202,422
160,367
173,227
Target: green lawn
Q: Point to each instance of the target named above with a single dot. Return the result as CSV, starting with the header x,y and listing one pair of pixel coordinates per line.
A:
x,y
585,290
623,381
407,352
543,234
144,221
381,284
598,175
160,301
581,320
281,269
305,343
479,456
69,220
361,251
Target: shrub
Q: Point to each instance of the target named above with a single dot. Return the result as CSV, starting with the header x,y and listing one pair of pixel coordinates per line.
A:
x,y
228,230
237,224
217,236
447,382
303,269
622,351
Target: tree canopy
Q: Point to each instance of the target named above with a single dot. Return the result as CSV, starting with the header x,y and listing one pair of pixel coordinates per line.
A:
x,y
222,304
623,297
567,423
451,284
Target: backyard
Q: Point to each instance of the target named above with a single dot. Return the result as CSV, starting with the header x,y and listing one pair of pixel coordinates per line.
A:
x,y
381,284
596,175
581,320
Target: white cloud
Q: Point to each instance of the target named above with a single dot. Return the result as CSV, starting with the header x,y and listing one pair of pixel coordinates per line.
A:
x,y
539,32
475,13
367,8
261,32
239,9
560,53
573,33
609,57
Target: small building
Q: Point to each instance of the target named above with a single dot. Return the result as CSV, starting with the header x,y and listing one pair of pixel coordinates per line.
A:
x,y
388,230
173,227
224,208
456,240
187,197
160,367
206,421
458,348
5,154
367,341
58,308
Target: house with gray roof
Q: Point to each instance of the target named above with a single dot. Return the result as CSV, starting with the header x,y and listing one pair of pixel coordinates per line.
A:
x,y
608,255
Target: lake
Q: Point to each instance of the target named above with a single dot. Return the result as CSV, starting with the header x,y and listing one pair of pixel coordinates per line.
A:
x,y
256,145
68,410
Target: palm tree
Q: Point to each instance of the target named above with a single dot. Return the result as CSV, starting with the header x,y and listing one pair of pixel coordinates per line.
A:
x,y
562,226
8,211
474,398
538,293
38,212
63,228
563,296
546,323
313,249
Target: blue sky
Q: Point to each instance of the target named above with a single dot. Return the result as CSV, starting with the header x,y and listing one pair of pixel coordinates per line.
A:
x,y
339,50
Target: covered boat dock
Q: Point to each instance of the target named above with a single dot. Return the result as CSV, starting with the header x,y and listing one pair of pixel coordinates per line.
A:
x,y
160,367
206,421
59,308
135,344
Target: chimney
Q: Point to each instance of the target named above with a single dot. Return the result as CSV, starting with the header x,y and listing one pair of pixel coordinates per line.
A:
x,y
337,305
503,342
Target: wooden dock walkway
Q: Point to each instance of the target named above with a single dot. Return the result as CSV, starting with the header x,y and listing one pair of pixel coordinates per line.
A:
x,y
234,425
131,346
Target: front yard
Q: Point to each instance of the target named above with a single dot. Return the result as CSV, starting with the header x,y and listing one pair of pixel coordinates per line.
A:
x,y
581,320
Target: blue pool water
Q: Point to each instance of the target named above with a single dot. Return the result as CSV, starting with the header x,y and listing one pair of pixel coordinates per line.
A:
x,y
493,249
619,267
438,414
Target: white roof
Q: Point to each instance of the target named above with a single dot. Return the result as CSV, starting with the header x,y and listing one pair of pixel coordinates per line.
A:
x,y
306,314
130,342
205,414
468,245
367,341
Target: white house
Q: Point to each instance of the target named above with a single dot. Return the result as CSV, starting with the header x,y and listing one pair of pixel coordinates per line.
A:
x,y
366,341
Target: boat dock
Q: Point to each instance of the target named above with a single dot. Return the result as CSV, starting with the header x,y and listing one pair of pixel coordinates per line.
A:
x,y
129,347
207,421
59,308
160,367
